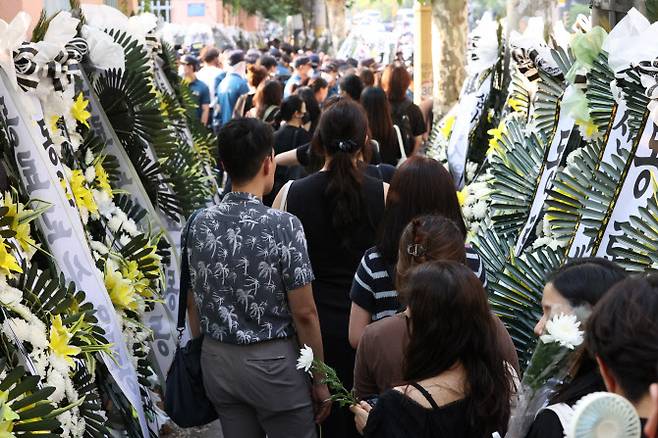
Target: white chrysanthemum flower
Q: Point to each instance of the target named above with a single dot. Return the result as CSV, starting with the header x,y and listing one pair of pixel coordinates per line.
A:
x,y
90,174
59,364
17,326
104,202
305,360
565,330
9,295
124,239
98,247
130,227
479,210
467,211
56,380
89,157
115,223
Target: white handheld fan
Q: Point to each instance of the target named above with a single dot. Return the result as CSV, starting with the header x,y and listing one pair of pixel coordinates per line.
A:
x,y
604,415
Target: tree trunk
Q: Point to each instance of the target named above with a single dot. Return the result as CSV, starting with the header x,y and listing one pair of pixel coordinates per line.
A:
x,y
336,15
450,21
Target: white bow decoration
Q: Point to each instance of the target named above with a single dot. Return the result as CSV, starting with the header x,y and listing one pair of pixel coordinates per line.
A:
x,y
11,36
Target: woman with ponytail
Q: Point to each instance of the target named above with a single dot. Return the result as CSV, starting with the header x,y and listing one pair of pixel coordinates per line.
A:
x,y
340,208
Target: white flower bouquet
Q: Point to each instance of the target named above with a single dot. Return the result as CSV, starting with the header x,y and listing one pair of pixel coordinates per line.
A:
x,y
309,364
548,368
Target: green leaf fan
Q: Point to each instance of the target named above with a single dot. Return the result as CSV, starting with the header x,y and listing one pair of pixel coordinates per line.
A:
x,y
515,178
547,104
636,249
599,96
516,296
27,412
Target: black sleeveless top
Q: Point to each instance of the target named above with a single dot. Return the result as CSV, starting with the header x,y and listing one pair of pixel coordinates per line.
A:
x,y
334,264
397,416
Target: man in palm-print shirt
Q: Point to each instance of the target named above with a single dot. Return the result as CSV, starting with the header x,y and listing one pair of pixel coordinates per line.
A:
x,y
251,277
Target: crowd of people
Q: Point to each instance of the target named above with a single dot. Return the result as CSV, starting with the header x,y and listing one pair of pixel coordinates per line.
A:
x,y
336,233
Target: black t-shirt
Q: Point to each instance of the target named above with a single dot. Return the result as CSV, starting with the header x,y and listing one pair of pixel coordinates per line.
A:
x,y
416,120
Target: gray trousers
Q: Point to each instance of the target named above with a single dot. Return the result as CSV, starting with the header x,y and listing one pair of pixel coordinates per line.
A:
x,y
257,390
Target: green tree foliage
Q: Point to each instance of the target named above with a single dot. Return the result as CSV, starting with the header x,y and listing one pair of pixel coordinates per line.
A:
x,y
276,10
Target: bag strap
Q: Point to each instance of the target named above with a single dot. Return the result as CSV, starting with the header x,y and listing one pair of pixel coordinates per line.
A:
x,y
425,394
184,285
403,153
269,111
284,195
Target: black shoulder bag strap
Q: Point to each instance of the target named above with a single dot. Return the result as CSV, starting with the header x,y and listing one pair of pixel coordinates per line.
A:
x,y
184,285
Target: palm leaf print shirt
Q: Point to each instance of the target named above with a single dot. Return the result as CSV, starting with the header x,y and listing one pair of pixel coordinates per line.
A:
x,y
244,258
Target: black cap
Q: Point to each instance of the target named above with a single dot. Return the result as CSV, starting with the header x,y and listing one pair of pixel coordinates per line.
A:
x,y
235,57
329,67
315,60
189,60
302,60
275,52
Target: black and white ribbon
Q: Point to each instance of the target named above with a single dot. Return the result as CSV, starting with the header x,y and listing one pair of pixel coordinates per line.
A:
x,y
27,69
60,70
649,71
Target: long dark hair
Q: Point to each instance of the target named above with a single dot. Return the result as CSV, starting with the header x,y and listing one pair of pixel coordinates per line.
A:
x,y
451,323
395,82
584,281
312,106
341,134
377,108
420,186
269,93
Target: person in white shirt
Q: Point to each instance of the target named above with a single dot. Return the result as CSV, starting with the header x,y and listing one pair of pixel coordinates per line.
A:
x,y
210,70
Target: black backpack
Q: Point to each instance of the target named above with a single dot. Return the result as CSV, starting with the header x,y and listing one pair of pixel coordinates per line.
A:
x,y
400,116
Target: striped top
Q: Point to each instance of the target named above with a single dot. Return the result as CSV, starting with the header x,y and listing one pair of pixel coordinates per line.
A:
x,y
373,289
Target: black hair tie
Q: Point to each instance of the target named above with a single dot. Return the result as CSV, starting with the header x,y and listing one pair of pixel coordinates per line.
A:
x,y
348,146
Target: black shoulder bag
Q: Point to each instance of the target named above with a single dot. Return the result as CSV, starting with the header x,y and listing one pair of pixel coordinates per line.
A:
x,y
185,401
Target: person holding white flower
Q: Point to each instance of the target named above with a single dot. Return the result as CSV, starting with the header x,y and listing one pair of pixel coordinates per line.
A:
x,y
458,382
579,283
623,338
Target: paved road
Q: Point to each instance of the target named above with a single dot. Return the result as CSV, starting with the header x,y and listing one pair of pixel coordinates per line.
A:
x,y
210,431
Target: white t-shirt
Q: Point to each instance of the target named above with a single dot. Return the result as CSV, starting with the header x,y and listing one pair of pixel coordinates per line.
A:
x,y
207,75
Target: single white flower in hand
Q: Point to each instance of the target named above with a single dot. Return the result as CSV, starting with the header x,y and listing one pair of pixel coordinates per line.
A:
x,y
305,361
564,329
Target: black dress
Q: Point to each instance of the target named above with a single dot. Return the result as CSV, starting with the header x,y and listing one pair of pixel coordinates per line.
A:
x,y
397,416
334,266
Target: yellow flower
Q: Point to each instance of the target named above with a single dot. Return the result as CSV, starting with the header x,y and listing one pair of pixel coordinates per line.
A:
x,y
588,127
23,237
83,196
7,416
53,123
8,262
102,178
131,272
516,104
446,129
79,110
59,340
120,289
461,197
496,137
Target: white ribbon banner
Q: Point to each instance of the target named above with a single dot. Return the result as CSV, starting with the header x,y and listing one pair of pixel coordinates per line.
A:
x,y
620,138
160,319
41,173
471,105
637,188
552,160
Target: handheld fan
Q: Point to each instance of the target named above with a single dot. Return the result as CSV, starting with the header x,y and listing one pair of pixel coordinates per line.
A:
x,y
604,415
